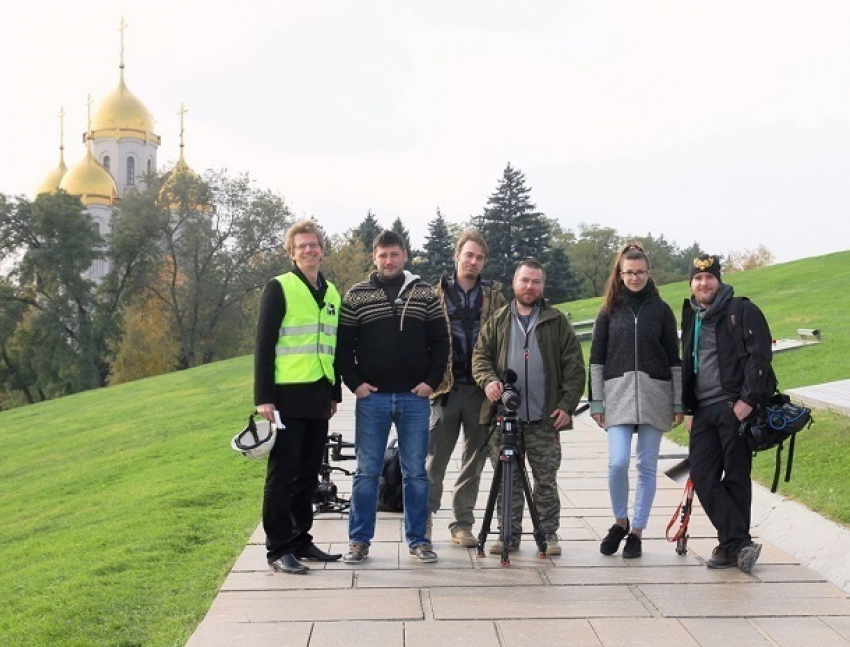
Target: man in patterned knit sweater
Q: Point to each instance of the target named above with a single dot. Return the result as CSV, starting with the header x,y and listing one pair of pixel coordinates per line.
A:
x,y
393,349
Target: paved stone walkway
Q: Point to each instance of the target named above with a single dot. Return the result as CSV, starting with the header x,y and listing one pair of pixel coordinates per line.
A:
x,y
581,598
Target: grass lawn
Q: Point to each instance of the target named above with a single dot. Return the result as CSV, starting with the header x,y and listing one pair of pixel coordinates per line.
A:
x,y
123,508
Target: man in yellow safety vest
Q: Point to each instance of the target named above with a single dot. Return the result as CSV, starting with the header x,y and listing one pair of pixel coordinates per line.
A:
x,y
294,376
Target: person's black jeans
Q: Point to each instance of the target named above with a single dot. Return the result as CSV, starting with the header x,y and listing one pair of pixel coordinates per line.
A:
x,y
720,470
292,476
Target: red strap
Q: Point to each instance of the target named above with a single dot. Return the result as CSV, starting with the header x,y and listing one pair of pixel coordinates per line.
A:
x,y
683,513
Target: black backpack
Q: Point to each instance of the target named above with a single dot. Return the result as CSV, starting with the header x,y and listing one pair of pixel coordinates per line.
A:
x,y
774,421
389,484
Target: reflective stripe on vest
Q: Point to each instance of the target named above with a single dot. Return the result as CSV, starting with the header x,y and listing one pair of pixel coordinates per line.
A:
x,y
306,341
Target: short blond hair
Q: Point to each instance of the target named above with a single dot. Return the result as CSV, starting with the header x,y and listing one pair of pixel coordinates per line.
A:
x,y
302,227
471,236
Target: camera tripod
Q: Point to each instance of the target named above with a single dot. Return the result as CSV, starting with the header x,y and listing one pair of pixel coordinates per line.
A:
x,y
511,461
326,498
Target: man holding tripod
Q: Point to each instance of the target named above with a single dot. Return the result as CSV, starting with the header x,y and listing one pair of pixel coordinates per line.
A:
x,y
537,342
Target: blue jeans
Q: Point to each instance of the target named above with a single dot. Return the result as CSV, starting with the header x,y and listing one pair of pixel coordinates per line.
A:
x,y
374,416
619,455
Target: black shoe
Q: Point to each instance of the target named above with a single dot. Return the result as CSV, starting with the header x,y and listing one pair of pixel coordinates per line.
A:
x,y
311,551
721,559
612,540
632,548
288,564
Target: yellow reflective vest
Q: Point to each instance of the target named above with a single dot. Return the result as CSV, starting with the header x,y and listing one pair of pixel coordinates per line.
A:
x,y
306,342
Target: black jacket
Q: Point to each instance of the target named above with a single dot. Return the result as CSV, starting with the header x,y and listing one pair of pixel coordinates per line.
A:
x,y
750,377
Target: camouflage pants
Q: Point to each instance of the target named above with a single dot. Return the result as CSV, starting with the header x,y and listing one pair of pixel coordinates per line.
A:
x,y
543,455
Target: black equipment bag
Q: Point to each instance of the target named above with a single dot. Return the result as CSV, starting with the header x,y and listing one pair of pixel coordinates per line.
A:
x,y
772,422
389,484
771,425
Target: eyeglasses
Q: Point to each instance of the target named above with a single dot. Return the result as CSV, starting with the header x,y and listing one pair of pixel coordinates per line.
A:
x,y
631,275
305,246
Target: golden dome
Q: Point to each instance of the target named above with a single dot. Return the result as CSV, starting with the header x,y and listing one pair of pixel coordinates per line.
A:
x,y
54,178
122,114
89,180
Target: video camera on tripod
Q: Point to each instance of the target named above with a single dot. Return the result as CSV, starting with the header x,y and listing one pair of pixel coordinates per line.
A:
x,y
511,458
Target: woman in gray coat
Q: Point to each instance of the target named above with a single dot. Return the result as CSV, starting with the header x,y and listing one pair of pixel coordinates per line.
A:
x,y
635,388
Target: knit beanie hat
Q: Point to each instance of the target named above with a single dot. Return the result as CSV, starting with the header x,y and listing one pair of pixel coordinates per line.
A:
x,y
706,263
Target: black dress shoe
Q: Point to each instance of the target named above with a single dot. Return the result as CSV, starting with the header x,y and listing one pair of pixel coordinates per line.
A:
x,y
312,551
288,564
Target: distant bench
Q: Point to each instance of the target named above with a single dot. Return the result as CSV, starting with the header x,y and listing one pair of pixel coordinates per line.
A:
x,y
805,337
584,329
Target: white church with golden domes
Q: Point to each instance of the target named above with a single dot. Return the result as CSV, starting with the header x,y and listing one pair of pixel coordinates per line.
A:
x,y
121,148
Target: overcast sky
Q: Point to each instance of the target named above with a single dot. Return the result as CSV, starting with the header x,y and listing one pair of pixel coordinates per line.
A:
x,y
725,123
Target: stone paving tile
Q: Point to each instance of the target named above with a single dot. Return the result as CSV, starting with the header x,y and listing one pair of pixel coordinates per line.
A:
x,y
655,553
240,634
382,554
468,603
767,572
456,634
793,632
642,632
588,499
270,581
693,574
571,483
327,605
840,625
422,578
747,600
548,633
357,634
724,632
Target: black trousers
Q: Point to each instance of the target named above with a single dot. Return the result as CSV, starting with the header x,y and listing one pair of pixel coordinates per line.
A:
x,y
720,470
292,476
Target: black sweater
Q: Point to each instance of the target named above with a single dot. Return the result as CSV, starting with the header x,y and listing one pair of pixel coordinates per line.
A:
x,y
392,345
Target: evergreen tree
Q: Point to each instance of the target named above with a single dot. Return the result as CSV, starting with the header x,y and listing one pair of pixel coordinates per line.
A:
x,y
399,228
561,282
437,255
367,230
512,226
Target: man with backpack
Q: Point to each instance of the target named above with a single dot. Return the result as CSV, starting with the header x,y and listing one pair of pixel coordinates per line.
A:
x,y
726,374
468,300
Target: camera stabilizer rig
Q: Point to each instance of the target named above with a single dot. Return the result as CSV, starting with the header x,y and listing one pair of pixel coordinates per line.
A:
x,y
326,498
511,460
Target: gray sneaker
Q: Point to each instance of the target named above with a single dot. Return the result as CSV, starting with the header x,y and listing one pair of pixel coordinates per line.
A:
x,y
748,556
552,545
424,553
357,552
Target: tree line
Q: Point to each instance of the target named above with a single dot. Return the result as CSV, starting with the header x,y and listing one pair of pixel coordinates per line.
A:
x,y
188,257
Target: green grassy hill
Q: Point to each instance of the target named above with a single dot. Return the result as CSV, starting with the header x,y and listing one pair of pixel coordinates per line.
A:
x,y
123,508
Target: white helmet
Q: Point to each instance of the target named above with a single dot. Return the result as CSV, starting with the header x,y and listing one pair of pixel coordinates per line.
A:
x,y
255,442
